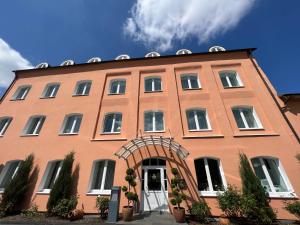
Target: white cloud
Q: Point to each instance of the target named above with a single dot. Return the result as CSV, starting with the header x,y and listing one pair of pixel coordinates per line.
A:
x,y
10,60
158,23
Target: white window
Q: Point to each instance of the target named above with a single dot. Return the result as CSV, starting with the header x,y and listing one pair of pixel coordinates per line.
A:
x,y
230,79
50,90
94,60
34,125
8,172
154,121
246,118
68,62
197,120
71,124
272,177
4,123
183,52
112,123
210,176
42,65
102,177
117,87
51,174
216,49
21,92
152,54
190,81
152,84
122,57
82,88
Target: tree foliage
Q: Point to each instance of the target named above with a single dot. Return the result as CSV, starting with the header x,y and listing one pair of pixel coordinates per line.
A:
x,y
130,178
178,184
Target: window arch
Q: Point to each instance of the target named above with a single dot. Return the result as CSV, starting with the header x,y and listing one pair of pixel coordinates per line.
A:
x,y
102,176
42,65
216,49
230,79
183,52
68,62
210,175
197,119
190,81
94,60
152,54
117,87
34,125
112,122
153,84
4,123
154,121
246,117
122,57
82,88
8,172
272,176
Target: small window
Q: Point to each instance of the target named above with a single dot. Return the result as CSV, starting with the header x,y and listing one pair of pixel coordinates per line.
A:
x,y
67,63
71,124
102,177
271,175
34,125
51,174
216,49
4,123
42,65
21,93
152,84
210,176
183,52
246,118
82,88
117,87
8,172
50,90
122,57
112,123
190,81
197,120
152,54
230,79
154,121
94,60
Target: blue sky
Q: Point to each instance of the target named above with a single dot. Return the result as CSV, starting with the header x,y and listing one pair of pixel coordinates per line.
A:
x,y
35,31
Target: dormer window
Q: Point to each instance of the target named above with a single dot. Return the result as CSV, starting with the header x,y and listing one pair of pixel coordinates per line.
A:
x,y
152,54
122,57
68,63
216,49
94,60
183,52
42,65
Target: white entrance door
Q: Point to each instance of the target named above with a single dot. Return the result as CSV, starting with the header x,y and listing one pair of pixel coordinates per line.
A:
x,y
154,189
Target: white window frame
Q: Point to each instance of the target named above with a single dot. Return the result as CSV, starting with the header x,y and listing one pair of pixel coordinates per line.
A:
x,y
154,121
113,123
152,54
38,127
42,65
237,76
259,124
54,91
6,168
196,119
68,62
118,87
42,189
273,194
86,82
183,52
211,191
28,87
4,128
189,75
153,84
73,125
100,191
122,57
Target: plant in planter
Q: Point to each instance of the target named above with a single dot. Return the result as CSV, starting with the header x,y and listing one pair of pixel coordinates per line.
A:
x,y
200,211
102,205
127,211
178,185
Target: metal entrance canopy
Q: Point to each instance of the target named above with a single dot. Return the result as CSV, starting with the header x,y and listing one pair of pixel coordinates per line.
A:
x,y
168,142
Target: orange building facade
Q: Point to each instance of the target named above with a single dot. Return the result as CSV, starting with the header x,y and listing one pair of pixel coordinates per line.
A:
x,y
195,112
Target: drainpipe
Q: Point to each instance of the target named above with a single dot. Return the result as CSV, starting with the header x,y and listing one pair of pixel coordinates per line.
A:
x,y
274,97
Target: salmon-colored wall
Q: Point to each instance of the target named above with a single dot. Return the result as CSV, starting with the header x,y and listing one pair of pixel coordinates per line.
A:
x,y
292,111
224,141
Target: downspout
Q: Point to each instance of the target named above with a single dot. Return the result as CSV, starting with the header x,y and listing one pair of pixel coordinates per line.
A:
x,y
274,97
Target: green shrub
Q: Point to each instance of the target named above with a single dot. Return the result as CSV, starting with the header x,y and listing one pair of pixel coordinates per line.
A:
x,y
255,203
200,211
294,208
178,185
65,206
230,202
31,212
130,178
102,205
62,188
15,192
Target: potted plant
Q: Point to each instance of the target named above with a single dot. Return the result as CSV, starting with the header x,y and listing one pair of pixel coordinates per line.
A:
x,y
102,203
178,185
127,211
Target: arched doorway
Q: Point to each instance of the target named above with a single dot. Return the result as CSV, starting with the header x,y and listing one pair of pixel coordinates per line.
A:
x,y
154,185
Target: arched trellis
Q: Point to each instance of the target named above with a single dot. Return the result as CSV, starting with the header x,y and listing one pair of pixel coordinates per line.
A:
x,y
137,143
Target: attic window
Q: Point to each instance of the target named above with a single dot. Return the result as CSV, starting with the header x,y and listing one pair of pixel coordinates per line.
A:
x,y
122,57
152,54
183,52
42,65
216,49
94,60
67,63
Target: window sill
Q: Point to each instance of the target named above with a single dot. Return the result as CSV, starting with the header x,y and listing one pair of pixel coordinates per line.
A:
x,y
103,192
209,193
17,99
251,129
47,97
191,89
234,87
256,135
29,135
79,95
203,136
280,195
153,91
67,134
109,139
112,133
202,130
116,94
158,131
44,192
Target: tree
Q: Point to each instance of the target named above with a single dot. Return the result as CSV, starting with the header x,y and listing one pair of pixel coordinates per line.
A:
x,y
255,201
130,178
15,191
62,188
178,185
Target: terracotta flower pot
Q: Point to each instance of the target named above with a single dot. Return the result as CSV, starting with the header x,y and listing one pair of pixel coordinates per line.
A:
x,y
127,213
179,214
224,220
